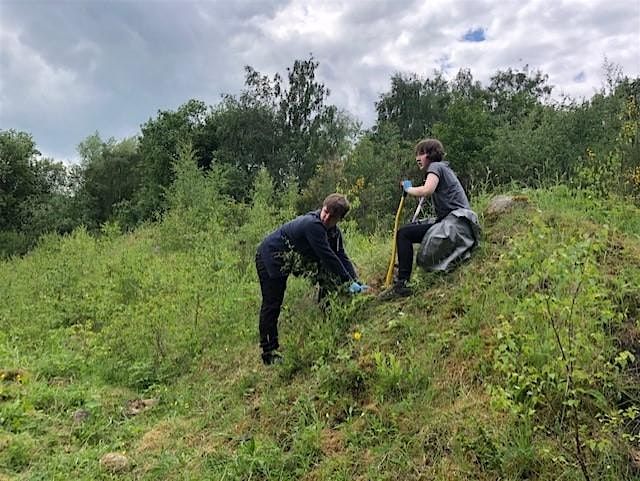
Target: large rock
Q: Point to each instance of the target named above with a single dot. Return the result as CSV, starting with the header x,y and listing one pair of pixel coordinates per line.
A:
x,y
114,462
137,406
80,416
504,203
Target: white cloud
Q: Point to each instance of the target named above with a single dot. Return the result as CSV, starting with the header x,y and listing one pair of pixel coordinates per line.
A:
x,y
305,18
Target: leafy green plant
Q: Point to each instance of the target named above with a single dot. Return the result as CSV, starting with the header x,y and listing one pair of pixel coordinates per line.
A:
x,y
467,376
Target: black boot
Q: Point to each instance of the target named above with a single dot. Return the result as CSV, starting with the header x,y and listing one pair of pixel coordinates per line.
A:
x,y
397,290
271,357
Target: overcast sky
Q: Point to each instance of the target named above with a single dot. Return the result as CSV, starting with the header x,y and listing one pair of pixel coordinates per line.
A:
x,y
71,67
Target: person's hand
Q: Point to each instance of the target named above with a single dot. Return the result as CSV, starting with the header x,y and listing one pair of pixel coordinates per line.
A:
x,y
357,288
406,185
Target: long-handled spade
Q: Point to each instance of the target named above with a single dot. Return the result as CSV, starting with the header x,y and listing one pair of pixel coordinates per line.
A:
x,y
418,210
392,260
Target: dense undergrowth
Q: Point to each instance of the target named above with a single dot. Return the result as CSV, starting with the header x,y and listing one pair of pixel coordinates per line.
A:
x,y
521,364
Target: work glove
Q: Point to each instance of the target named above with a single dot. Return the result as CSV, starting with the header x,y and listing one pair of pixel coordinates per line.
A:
x,y
357,288
406,185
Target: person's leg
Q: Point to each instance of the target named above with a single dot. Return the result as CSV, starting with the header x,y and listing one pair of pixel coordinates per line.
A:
x,y
407,236
272,296
323,292
327,284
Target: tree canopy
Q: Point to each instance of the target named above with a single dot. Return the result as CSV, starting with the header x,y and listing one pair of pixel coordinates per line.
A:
x,y
510,130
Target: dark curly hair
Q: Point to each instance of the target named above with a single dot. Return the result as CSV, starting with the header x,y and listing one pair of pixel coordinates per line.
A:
x,y
433,148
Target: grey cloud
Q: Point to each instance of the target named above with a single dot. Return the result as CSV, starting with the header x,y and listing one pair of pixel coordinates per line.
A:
x,y
363,15
115,63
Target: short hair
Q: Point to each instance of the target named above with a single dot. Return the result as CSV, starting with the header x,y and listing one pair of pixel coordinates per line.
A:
x,y
337,205
433,148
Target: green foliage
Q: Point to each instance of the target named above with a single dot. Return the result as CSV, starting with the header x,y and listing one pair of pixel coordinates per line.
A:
x,y
414,105
520,364
241,135
392,379
326,180
19,453
511,132
17,151
617,170
507,133
33,194
372,177
377,391
557,368
466,134
108,180
159,142
514,94
14,243
265,214
306,131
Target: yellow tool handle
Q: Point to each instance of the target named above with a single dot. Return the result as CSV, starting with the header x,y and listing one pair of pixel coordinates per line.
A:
x,y
392,261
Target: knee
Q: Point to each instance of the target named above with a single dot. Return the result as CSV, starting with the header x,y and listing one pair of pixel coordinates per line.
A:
x,y
271,307
403,233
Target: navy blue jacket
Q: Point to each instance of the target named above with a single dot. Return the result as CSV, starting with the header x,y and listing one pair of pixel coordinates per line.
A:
x,y
308,236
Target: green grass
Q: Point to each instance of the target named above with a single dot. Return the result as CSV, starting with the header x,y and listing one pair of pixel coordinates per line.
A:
x,y
464,380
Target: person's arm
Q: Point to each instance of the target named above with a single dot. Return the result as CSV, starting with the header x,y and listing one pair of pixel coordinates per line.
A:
x,y
427,189
316,235
342,255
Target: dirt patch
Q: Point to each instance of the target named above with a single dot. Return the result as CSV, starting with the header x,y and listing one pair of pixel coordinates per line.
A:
x,y
628,338
115,463
12,375
635,458
331,441
159,438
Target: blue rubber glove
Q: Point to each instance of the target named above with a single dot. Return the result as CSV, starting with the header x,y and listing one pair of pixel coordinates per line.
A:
x,y
357,288
406,185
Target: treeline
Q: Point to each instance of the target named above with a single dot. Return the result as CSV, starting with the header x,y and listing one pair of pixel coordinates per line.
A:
x,y
509,131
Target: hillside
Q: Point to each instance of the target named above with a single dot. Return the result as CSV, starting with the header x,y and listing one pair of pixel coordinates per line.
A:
x,y
524,363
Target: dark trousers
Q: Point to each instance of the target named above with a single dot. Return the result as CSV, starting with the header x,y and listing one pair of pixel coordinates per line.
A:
x,y
408,235
272,297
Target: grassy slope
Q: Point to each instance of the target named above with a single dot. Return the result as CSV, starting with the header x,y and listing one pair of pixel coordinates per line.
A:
x,y
462,381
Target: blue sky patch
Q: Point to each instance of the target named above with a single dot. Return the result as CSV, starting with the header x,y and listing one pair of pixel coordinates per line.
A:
x,y
474,35
445,63
581,77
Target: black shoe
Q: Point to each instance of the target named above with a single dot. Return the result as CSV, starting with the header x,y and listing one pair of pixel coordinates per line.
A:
x,y
397,290
272,357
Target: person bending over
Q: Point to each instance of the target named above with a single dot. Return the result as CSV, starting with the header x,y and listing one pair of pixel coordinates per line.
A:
x,y
310,243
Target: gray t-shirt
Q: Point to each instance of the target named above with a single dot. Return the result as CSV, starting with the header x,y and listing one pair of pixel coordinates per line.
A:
x,y
449,194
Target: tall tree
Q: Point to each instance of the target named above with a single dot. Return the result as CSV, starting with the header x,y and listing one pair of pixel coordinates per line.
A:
x,y
467,129
240,135
17,175
302,112
306,129
108,177
414,105
515,93
50,207
159,149
34,194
